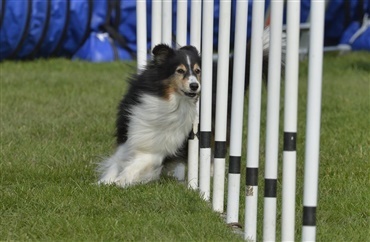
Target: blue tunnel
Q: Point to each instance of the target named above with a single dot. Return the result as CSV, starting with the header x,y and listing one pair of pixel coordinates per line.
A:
x,y
105,30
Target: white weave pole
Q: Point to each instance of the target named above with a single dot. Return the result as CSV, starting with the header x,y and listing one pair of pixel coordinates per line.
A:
x,y
311,172
181,22
193,150
195,24
221,106
206,100
254,117
272,123
236,126
181,40
290,121
167,22
156,22
141,39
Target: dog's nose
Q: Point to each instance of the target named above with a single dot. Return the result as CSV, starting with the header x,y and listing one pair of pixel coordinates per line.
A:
x,y
194,86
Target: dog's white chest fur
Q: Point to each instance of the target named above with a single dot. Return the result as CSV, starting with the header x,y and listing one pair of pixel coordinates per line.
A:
x,y
160,126
157,128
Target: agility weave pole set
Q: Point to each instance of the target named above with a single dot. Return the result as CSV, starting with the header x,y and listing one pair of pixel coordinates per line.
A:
x,y
201,36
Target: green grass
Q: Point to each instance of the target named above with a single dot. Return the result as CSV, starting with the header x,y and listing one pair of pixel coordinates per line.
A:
x,y
57,122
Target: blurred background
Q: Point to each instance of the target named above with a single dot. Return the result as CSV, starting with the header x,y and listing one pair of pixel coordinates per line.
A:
x,y
105,30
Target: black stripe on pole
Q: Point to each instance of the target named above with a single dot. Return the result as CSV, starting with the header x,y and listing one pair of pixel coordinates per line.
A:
x,y
270,187
309,216
252,177
220,149
205,139
234,165
290,141
191,134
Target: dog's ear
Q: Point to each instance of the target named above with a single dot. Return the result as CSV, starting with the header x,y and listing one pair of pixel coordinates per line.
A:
x,y
162,52
191,49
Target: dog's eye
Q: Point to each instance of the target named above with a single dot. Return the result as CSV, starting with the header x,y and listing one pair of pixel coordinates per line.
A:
x,y
180,71
197,71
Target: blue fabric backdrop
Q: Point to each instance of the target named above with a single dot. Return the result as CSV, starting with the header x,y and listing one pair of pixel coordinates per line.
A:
x,y
44,28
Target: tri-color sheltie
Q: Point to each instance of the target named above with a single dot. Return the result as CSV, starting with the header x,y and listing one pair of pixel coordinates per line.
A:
x,y
155,116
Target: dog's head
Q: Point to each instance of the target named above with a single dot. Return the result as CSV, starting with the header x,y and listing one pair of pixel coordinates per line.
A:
x,y
180,69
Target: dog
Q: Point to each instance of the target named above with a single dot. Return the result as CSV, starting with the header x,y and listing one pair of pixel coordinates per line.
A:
x,y
155,116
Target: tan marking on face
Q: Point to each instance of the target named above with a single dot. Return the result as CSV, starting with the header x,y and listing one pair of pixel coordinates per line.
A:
x,y
181,70
178,83
169,92
197,71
